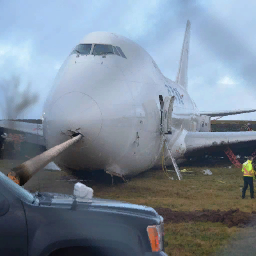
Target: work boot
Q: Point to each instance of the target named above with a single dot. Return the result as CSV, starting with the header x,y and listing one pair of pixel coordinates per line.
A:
x,y
242,197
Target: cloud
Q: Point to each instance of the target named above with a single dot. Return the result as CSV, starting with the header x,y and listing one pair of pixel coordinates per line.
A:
x,y
36,37
57,66
140,17
227,81
15,56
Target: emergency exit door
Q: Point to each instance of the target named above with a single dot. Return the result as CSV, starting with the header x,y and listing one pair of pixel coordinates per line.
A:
x,y
167,114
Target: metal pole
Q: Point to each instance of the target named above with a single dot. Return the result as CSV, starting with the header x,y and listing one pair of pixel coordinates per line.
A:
x,y
23,172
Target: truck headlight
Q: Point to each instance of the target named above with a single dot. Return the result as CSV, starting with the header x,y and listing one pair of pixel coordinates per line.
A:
x,y
156,237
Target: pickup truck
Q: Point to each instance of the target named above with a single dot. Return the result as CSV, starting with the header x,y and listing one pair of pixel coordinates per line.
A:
x,y
50,224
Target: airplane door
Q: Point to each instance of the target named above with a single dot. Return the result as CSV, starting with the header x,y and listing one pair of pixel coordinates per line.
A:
x,y
194,126
170,111
167,114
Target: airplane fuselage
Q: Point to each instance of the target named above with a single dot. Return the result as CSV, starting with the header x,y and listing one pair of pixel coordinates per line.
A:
x,y
114,102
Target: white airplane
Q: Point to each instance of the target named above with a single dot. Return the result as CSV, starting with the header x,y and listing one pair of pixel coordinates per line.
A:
x,y
111,91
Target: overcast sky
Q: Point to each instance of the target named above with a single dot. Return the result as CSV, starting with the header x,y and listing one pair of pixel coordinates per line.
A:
x,y
36,37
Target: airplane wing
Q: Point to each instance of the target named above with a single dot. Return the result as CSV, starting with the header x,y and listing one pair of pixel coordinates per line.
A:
x,y
199,143
30,131
226,113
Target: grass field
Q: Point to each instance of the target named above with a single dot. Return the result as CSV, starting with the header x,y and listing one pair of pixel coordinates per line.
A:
x,y
221,190
195,192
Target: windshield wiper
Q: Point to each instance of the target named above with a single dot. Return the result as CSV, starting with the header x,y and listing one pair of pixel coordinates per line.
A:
x,y
78,52
38,194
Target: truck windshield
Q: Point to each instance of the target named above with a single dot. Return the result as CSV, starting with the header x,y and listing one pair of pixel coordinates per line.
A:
x,y
15,189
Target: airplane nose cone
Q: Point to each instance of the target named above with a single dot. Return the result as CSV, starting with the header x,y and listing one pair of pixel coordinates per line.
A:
x,y
76,110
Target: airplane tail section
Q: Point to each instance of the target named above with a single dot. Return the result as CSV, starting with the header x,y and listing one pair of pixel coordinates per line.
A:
x,y
182,76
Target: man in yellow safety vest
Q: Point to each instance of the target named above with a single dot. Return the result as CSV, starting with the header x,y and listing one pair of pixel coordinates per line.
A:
x,y
249,173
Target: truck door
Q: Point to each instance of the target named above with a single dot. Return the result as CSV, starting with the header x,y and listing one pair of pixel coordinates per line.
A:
x,y
13,229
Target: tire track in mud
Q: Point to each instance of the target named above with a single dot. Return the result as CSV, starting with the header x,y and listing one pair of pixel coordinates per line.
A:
x,y
230,218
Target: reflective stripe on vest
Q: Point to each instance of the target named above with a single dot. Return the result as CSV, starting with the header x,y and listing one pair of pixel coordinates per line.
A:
x,y
247,173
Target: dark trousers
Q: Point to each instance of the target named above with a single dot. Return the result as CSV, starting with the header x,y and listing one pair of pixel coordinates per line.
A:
x,y
248,181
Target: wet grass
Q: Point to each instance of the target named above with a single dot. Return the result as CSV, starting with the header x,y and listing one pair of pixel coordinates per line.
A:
x,y
196,238
221,190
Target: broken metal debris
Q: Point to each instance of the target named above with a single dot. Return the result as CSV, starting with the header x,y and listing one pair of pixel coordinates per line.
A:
x,y
185,170
207,172
23,172
71,133
70,178
52,166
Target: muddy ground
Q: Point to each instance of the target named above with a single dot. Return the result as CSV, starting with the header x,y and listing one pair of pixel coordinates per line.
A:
x,y
231,218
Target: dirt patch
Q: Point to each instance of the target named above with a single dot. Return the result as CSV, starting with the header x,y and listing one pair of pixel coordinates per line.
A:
x,y
230,218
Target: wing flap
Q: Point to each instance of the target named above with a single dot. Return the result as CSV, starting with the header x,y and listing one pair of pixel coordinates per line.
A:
x,y
226,113
198,140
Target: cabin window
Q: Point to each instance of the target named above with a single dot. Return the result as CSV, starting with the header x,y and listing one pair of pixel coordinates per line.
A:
x,y
120,51
83,49
116,51
102,49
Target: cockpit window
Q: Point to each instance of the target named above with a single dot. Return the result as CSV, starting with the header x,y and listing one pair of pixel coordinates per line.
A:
x,y
116,51
83,49
102,49
120,51
98,49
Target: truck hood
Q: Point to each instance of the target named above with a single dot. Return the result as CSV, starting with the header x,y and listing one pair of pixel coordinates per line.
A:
x,y
62,200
